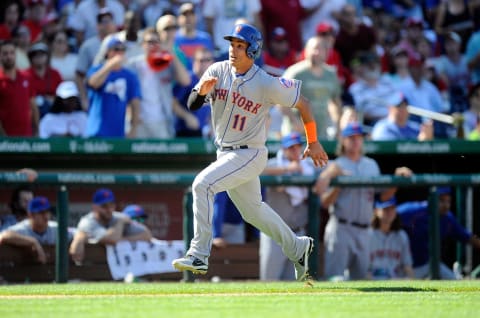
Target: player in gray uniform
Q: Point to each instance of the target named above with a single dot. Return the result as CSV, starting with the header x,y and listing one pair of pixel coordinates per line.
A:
x,y
390,256
35,231
351,208
290,202
241,94
104,225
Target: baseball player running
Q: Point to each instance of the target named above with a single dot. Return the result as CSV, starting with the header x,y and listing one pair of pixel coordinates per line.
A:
x,y
241,94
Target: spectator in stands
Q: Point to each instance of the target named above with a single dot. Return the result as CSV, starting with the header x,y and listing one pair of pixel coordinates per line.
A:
x,y
278,55
18,110
18,206
11,20
423,94
158,69
62,59
35,231
399,70
167,27
202,59
413,32
136,213
131,35
112,88
397,126
43,77
103,225
371,91
415,220
320,85
89,49
353,36
452,68
288,15
188,38
21,38
327,31
390,256
83,19
471,117
35,16
319,11
456,16
220,15
66,117
351,209
290,202
473,56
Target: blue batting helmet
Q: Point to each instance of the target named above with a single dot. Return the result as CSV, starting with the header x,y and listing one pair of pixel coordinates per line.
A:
x,y
249,34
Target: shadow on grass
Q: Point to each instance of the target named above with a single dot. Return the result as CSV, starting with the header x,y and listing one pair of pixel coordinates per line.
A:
x,y
395,289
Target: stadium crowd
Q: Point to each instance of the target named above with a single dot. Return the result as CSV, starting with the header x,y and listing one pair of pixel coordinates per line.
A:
x,y
351,52
124,69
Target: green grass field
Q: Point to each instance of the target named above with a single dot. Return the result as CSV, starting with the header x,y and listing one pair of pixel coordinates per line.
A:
x,y
244,299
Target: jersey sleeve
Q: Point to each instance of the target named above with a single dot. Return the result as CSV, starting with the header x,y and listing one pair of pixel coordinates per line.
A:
x,y
284,91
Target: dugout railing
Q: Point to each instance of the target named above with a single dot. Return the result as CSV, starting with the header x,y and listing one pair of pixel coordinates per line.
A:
x,y
64,180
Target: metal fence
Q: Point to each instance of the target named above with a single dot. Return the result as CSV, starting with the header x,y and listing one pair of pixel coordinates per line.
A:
x,y
63,180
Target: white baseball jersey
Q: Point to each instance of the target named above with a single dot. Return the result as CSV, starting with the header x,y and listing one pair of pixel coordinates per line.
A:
x,y
389,254
240,104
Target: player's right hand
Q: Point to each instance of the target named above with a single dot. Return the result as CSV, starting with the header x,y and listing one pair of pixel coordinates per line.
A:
x,y
207,84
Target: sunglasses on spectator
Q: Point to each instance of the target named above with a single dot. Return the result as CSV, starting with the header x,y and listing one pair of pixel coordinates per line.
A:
x,y
170,28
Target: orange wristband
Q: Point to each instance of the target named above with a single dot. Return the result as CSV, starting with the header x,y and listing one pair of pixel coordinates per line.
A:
x,y
311,131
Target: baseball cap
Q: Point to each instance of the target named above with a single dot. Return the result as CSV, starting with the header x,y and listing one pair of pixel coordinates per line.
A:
x,y
103,12
385,204
279,34
352,129
67,89
292,139
324,27
102,196
113,42
38,47
134,211
38,204
397,99
186,7
444,190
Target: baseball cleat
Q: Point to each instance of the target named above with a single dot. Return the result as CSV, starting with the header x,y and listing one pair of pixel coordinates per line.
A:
x,y
190,263
301,266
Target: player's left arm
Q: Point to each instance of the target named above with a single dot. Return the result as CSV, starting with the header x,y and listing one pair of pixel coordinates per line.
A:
x,y
314,149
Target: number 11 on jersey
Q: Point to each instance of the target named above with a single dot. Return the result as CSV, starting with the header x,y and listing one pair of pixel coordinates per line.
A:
x,y
239,122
